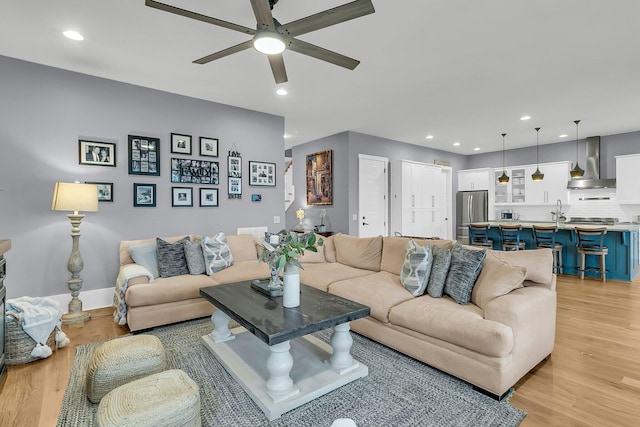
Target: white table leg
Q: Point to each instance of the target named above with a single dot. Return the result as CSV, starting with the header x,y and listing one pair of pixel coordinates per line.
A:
x,y
221,332
279,363
341,341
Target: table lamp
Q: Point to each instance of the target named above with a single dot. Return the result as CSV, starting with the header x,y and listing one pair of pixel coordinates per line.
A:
x,y
300,215
75,197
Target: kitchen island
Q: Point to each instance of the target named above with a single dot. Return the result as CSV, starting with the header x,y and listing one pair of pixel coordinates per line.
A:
x,y
621,239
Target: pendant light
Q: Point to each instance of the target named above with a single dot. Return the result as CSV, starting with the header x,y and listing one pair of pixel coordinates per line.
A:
x,y
504,178
537,175
577,171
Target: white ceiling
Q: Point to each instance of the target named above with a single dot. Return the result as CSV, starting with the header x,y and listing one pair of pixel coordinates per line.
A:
x,y
462,71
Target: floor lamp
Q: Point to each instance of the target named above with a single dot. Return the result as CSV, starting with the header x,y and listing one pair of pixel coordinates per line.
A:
x,y
75,197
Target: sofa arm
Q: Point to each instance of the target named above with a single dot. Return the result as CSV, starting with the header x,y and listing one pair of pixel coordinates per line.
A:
x,y
134,274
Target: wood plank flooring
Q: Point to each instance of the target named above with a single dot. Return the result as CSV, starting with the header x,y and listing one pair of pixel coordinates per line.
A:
x,y
591,379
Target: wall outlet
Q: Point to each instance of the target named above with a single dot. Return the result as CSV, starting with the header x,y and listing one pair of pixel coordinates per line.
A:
x,y
276,219
354,217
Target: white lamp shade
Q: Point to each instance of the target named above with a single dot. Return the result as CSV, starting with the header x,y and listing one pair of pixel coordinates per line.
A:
x,y
75,197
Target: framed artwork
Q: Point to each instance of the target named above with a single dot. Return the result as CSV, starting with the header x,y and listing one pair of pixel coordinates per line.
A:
x,y
144,155
181,196
96,153
208,197
235,187
234,168
262,174
319,178
105,191
195,171
256,197
180,144
144,195
208,147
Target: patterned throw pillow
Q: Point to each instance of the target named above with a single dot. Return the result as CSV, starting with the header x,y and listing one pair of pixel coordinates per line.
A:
x,y
216,253
416,269
195,258
146,255
465,267
171,259
439,270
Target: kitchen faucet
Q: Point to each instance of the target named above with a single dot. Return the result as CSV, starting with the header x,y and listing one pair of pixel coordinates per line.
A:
x,y
558,211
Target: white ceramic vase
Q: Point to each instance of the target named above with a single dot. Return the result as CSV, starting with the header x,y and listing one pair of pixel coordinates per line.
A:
x,y
291,286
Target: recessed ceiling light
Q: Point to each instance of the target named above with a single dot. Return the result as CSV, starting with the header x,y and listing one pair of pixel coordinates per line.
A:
x,y
429,136
476,149
564,135
73,35
282,91
455,144
525,118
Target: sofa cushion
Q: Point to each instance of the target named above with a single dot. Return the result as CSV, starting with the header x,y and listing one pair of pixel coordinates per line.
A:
x,y
496,278
462,325
380,291
321,276
536,262
195,257
167,290
393,251
314,257
329,248
216,252
242,247
463,271
417,267
359,252
125,256
439,270
171,259
241,271
146,255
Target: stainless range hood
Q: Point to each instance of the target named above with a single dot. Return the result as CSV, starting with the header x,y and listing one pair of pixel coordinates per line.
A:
x,y
591,178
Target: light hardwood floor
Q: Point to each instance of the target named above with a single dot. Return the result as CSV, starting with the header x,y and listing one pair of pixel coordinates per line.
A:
x,y
591,379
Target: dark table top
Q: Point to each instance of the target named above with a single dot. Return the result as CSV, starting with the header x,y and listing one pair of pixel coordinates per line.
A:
x,y
267,319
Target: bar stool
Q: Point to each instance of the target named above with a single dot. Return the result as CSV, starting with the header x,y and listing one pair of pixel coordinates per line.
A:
x,y
591,242
510,234
545,237
479,235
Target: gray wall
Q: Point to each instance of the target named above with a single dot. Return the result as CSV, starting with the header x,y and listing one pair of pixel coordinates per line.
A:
x,y
44,112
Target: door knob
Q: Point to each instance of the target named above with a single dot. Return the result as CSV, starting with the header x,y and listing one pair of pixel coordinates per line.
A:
x,y
364,223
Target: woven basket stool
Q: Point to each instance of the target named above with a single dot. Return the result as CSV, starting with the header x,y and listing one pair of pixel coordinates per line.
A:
x,y
19,344
169,398
122,360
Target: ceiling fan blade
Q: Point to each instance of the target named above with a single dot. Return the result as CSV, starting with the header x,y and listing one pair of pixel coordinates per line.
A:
x,y
327,18
199,17
277,67
226,52
262,11
322,54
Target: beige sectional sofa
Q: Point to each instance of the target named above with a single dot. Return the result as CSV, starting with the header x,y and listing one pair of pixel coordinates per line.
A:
x,y
506,330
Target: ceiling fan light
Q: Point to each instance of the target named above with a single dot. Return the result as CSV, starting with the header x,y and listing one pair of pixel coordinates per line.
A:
x,y
269,43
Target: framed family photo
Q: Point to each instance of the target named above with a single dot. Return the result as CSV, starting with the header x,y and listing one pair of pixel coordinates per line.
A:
x,y
96,153
208,147
105,191
144,155
208,197
262,174
180,144
181,196
194,171
144,195
235,186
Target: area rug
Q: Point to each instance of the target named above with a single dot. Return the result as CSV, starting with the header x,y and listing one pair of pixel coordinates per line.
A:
x,y
399,391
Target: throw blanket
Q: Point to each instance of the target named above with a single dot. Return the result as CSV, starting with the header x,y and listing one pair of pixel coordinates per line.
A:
x,y
38,317
127,273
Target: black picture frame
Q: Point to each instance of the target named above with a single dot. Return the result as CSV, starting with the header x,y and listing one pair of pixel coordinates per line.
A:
x,y
209,147
192,171
105,191
181,143
235,186
96,153
181,197
234,166
144,155
144,195
262,174
209,197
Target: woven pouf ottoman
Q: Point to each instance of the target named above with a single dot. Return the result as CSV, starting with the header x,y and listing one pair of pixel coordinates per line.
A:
x,y
122,360
169,398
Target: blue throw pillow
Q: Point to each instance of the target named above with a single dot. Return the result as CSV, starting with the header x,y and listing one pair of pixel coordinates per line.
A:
x,y
465,267
146,255
439,269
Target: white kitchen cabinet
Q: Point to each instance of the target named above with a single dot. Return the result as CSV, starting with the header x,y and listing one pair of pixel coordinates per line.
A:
x,y
552,188
474,179
627,188
512,192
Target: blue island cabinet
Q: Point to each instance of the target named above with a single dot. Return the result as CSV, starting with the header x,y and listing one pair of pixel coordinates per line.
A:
x,y
621,262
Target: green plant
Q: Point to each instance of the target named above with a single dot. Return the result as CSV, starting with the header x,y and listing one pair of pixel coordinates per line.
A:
x,y
292,245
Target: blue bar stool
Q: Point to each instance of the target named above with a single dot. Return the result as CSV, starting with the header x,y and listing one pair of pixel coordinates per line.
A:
x,y
545,237
510,234
591,242
479,235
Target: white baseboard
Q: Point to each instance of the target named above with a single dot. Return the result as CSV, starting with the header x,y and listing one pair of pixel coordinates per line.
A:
x,y
98,298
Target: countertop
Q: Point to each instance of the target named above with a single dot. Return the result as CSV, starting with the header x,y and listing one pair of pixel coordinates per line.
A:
x,y
564,226
5,245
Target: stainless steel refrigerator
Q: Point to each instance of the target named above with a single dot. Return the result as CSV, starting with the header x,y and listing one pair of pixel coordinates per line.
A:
x,y
471,206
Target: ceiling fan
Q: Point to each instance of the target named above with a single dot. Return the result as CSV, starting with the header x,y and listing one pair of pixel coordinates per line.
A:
x,y
272,38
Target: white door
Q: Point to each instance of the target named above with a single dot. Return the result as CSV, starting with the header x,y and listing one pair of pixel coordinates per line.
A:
x,y
372,196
